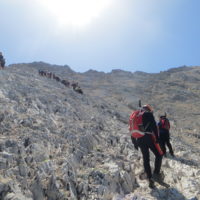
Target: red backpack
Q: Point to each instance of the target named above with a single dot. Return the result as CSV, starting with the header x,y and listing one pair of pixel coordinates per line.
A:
x,y
135,124
164,123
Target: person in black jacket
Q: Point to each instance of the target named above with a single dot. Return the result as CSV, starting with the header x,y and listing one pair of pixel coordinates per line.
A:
x,y
164,126
149,141
2,61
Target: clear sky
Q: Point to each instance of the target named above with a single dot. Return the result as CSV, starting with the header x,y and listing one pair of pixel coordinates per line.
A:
x,y
144,35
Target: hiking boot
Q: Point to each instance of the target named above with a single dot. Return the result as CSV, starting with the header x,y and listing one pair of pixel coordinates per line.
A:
x,y
172,154
158,177
151,183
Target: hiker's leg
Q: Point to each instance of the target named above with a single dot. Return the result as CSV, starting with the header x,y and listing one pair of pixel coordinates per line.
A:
x,y
163,141
169,147
146,161
158,158
162,146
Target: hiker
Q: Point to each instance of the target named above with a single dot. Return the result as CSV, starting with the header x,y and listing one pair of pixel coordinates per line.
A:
x,y
2,61
40,72
145,135
49,75
66,83
164,126
74,85
57,78
78,89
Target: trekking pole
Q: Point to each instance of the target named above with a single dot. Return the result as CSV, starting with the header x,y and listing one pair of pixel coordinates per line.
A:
x,y
140,104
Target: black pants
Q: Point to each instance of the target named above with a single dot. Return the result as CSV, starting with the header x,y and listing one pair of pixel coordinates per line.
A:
x,y
145,143
165,140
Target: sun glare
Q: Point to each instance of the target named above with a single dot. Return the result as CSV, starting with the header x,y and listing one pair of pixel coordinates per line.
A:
x,y
76,12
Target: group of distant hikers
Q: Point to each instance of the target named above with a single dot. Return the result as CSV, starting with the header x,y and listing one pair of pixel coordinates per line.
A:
x,y
50,75
147,135
2,61
67,83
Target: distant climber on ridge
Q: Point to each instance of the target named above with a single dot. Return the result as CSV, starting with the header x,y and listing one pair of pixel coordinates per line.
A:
x,y
164,126
2,61
65,83
76,87
144,134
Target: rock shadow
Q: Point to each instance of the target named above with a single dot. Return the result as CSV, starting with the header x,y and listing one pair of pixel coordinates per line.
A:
x,y
186,161
168,194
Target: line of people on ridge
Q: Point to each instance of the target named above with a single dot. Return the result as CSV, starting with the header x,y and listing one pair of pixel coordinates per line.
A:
x,y
2,61
51,75
147,135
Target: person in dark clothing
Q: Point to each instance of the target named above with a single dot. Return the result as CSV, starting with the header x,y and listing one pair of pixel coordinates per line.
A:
x,y
164,126
149,141
2,61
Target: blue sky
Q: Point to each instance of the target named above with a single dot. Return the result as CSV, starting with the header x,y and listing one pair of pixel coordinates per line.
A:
x,y
144,35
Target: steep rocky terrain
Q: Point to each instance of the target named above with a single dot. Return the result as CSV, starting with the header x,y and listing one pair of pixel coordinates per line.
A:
x,y
57,144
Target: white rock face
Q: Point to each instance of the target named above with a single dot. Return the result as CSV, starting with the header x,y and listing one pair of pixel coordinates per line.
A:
x,y
58,144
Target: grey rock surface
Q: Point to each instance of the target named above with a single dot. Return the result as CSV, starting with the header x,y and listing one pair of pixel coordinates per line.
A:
x,y
58,144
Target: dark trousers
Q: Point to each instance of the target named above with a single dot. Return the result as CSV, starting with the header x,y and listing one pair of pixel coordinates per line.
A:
x,y
165,141
145,143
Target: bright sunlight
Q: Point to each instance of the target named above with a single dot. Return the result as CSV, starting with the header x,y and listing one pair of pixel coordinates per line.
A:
x,y
76,12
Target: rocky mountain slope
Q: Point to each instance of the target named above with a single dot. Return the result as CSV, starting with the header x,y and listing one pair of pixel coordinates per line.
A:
x,y
57,144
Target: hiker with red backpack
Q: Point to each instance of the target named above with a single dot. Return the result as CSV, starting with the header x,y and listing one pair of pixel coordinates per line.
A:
x,y
145,135
164,126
